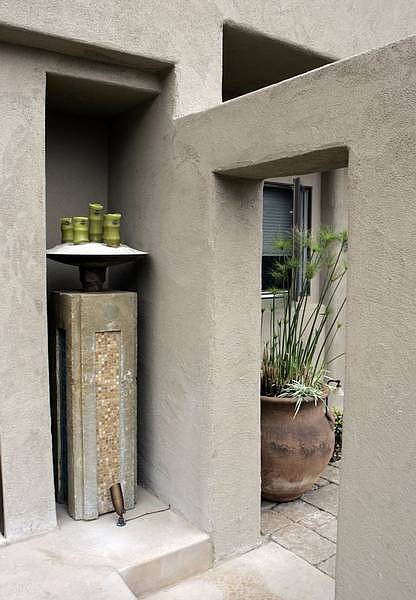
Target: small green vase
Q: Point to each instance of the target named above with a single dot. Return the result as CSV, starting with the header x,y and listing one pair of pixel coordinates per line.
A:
x,y
112,229
80,230
96,220
67,230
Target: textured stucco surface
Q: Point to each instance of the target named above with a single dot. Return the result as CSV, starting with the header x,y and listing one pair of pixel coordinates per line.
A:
x,y
172,32
197,445
200,289
24,410
334,214
370,109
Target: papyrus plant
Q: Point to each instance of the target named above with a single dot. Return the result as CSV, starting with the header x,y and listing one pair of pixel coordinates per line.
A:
x,y
301,332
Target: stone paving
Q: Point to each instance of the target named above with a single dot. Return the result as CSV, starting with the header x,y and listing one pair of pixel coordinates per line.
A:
x,y
308,526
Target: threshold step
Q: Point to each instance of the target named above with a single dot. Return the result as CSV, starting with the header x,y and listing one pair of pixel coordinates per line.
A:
x,y
269,572
97,559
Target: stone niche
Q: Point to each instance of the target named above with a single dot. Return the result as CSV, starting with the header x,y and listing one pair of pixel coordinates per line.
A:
x,y
92,336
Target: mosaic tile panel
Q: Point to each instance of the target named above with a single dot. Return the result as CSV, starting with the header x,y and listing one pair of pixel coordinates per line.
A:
x,y
95,446
107,385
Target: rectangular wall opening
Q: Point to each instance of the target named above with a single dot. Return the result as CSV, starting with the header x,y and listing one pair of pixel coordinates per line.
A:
x,y
81,123
252,60
307,524
85,144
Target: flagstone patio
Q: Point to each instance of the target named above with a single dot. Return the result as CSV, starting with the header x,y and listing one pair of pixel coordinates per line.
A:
x,y
308,526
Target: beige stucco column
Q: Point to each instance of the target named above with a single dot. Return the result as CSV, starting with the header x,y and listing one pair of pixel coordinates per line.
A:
x,y
25,433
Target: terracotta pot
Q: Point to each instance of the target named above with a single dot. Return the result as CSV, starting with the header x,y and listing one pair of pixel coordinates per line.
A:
x,y
294,451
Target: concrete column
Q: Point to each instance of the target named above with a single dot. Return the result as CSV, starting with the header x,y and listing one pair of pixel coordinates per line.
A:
x,y
199,429
334,207
233,411
28,491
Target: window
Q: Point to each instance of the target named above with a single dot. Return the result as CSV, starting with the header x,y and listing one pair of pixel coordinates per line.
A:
x,y
285,206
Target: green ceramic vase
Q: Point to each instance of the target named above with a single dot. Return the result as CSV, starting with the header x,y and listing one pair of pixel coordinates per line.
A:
x,y
112,229
96,220
80,230
67,230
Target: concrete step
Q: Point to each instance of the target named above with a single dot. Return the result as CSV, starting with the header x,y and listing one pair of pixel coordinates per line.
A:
x,y
269,572
97,560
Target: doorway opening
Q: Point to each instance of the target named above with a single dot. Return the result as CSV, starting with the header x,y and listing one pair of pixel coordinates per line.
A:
x,y
311,205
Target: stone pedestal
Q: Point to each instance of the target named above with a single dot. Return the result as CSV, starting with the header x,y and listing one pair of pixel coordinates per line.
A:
x,y
95,402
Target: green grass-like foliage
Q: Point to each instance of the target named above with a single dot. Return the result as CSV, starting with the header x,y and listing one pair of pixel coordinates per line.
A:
x,y
293,362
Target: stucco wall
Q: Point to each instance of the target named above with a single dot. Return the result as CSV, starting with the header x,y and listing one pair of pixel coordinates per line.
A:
x,y
24,408
183,311
199,293
370,111
171,31
25,432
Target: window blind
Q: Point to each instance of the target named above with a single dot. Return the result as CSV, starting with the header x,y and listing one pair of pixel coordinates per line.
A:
x,y
277,217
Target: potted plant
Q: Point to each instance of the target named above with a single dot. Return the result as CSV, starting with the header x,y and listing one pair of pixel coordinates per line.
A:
x,y
297,429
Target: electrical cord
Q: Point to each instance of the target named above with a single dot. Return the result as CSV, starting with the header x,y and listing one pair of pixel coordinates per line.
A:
x,y
153,512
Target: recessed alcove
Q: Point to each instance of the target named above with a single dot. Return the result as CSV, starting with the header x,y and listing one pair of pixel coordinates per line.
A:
x,y
81,120
90,127
83,146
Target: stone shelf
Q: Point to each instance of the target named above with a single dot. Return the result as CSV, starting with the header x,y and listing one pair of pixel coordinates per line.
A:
x,y
93,259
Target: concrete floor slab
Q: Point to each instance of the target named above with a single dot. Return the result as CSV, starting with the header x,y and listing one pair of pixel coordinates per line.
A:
x,y
96,559
267,573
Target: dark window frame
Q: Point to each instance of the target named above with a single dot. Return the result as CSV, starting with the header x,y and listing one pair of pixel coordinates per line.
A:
x,y
285,186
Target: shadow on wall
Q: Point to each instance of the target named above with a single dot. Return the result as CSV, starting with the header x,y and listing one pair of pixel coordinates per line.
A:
x,y
252,60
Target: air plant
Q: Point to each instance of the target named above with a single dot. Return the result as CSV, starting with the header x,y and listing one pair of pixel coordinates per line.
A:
x,y
300,391
294,357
